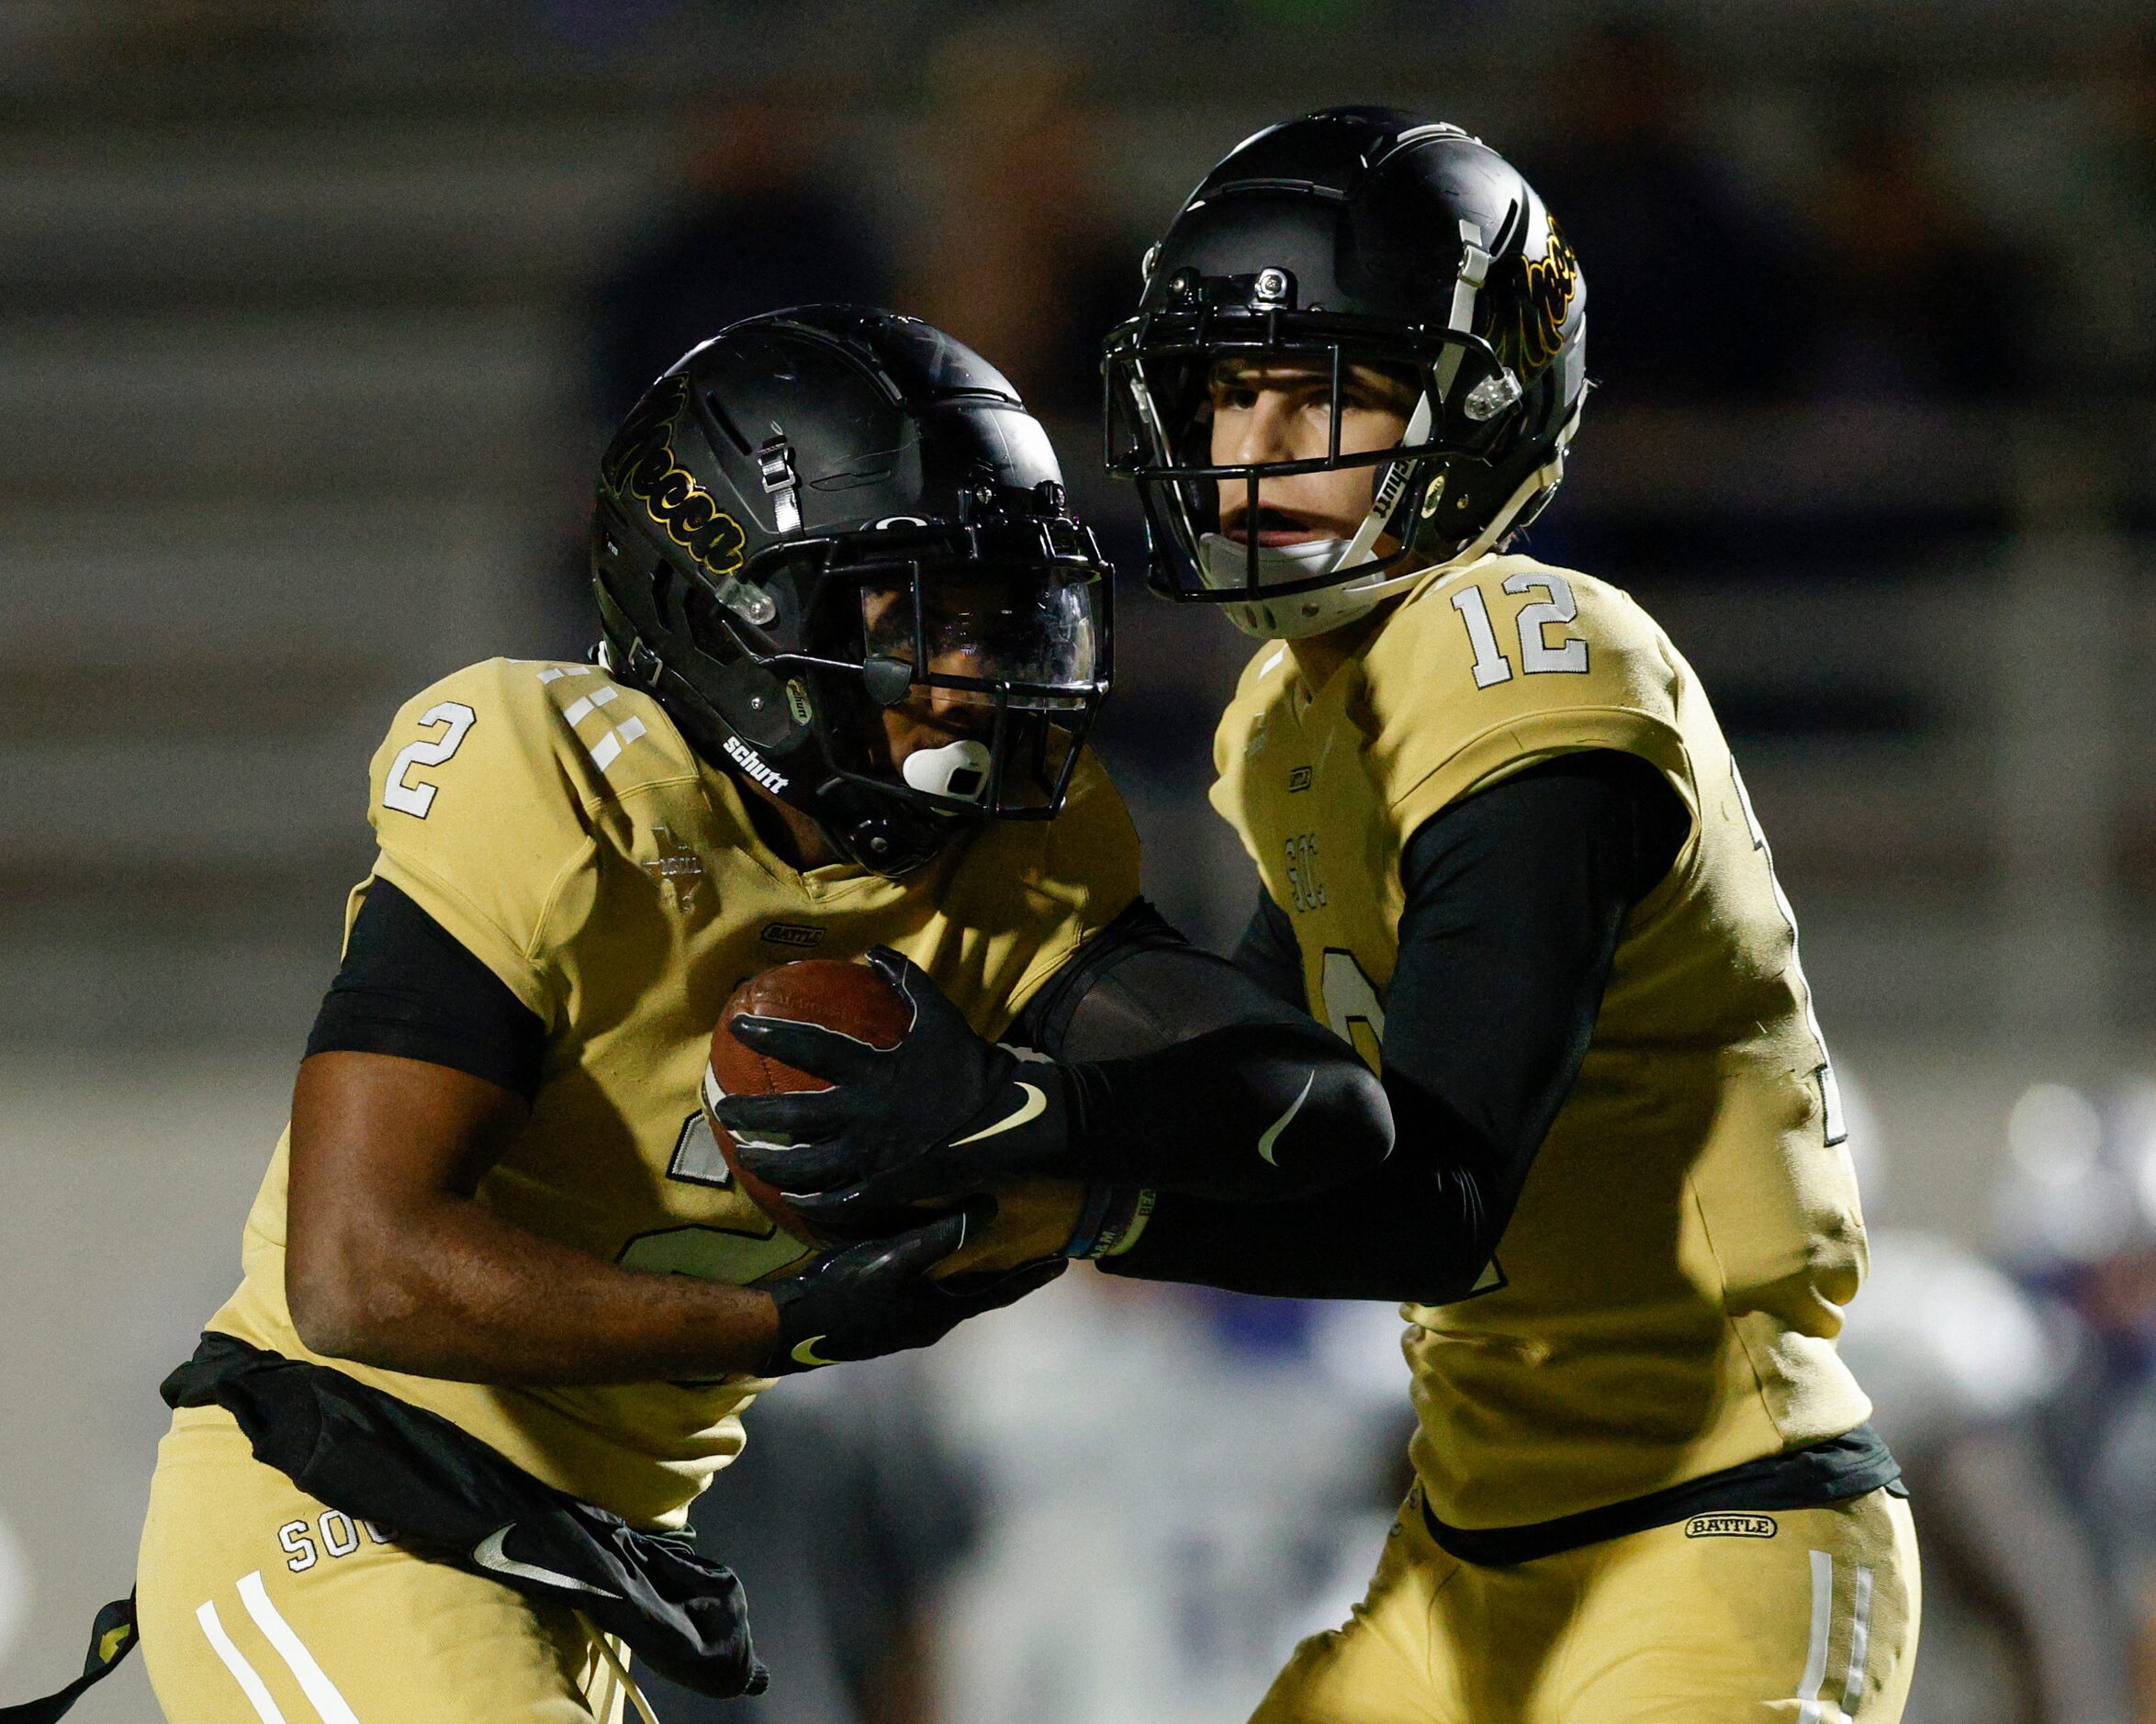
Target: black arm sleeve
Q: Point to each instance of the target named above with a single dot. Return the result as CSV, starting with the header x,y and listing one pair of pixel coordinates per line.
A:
x,y
1515,901
408,987
1184,1075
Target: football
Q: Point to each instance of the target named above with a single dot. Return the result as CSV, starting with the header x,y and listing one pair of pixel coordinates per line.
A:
x,y
1033,1218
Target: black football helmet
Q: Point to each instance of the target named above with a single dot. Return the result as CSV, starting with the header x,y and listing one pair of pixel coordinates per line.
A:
x,y
1358,237
823,515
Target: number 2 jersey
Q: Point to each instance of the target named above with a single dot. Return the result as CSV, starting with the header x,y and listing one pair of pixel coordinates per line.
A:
x,y
556,824
1665,1300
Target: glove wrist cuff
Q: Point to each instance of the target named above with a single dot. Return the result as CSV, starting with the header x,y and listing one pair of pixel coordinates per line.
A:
x,y
1111,1221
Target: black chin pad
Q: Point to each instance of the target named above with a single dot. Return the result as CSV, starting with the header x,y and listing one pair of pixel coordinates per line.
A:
x,y
888,680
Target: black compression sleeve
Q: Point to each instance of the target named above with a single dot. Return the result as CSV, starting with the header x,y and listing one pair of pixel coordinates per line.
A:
x,y
408,987
1268,955
1181,1074
1515,901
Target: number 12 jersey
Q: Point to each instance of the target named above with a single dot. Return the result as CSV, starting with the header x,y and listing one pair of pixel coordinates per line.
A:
x,y
1665,1301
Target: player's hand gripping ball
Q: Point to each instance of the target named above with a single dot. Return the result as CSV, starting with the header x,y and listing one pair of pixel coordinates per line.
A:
x,y
1034,1217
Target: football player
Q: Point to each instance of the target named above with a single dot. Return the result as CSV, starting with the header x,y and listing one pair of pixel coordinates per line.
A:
x,y
1504,851
503,1305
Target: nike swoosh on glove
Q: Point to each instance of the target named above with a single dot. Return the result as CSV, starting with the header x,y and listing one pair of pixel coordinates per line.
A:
x,y
877,1297
943,1112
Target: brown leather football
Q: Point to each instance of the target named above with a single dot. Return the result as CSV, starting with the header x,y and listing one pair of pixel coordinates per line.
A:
x,y
1033,1217
850,998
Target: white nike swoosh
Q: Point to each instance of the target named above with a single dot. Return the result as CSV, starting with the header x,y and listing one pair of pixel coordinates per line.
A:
x,y
1034,1105
1273,1131
804,1352
489,1554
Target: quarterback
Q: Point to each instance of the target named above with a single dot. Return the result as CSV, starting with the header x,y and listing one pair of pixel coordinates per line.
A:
x,y
1503,850
504,1304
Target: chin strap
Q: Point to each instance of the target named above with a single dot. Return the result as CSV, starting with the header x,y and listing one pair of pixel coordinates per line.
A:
x,y
1390,488
1358,597
1303,614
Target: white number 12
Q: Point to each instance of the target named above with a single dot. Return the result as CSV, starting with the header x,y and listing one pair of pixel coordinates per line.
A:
x,y
1537,654
417,798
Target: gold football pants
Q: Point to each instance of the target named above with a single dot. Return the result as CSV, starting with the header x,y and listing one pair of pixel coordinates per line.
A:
x,y
1801,1616
260,1605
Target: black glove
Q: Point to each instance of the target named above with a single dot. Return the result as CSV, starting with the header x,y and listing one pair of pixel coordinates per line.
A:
x,y
943,1112
877,1297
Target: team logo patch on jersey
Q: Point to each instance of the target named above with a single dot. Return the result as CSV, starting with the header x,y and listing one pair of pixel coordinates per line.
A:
x,y
1730,1526
676,866
791,933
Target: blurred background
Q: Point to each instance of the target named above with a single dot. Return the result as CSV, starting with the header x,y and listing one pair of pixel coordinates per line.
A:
x,y
315,317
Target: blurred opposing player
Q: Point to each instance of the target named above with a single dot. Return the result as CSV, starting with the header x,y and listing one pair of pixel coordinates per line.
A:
x,y
504,1304
1505,853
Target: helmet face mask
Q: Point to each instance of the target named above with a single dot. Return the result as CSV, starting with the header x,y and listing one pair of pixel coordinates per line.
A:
x,y
1001,665
916,641
1308,254
925,651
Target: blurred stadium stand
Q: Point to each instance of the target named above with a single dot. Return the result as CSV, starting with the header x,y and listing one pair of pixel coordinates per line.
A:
x,y
296,386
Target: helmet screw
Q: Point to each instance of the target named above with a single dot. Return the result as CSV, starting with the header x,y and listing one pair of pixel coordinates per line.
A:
x,y
879,845
1271,284
755,704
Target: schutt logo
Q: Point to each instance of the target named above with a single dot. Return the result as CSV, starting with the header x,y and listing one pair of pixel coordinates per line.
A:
x,y
756,765
791,933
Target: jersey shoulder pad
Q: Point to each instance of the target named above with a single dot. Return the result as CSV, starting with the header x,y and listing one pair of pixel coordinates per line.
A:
x,y
483,794
1089,875
1048,885
1091,858
1506,662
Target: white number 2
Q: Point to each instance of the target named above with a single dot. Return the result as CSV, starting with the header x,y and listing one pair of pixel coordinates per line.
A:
x,y
1537,654
417,798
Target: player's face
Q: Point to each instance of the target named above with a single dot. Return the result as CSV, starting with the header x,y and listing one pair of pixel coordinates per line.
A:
x,y
1281,410
931,715
984,631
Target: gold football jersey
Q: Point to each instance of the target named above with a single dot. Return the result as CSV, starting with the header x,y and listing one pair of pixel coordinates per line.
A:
x,y
1665,1301
558,824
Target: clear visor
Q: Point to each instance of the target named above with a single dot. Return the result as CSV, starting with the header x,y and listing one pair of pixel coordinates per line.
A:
x,y
983,681
1028,637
